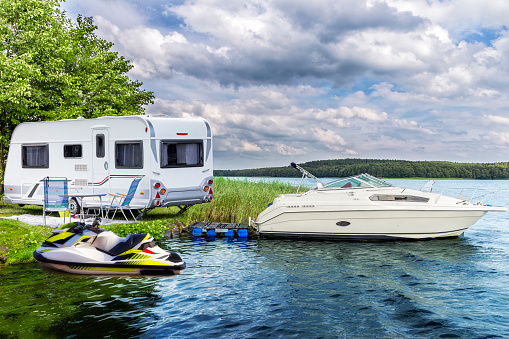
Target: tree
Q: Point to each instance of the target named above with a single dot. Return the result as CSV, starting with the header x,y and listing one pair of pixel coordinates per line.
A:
x,y
52,68
382,168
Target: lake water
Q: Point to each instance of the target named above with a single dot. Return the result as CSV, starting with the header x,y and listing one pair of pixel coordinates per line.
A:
x,y
284,288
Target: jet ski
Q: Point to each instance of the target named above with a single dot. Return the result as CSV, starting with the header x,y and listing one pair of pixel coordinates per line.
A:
x,y
88,249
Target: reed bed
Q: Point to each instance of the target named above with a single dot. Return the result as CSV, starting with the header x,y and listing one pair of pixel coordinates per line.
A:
x,y
236,200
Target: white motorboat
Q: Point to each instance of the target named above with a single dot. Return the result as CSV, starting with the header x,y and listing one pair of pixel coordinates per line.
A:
x,y
365,207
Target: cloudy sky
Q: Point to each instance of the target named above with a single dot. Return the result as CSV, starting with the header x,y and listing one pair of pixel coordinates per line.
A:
x,y
300,80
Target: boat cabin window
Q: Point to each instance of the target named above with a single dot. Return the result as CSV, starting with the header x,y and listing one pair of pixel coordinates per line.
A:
x,y
129,154
35,156
99,146
72,151
390,197
181,154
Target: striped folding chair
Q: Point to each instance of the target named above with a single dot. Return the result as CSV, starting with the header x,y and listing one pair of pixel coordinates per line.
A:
x,y
123,200
56,196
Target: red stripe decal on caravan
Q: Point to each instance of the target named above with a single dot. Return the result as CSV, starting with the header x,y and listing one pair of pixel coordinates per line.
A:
x,y
102,182
182,133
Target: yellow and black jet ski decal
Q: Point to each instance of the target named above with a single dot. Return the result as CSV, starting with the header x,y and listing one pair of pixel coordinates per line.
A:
x,y
60,238
101,268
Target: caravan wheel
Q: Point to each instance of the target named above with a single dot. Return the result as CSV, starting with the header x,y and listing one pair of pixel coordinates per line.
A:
x,y
74,206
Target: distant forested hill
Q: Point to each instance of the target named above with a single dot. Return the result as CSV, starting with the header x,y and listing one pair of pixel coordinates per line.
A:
x,y
381,168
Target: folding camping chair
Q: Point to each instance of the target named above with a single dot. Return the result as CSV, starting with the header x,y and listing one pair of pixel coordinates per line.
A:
x,y
123,200
56,196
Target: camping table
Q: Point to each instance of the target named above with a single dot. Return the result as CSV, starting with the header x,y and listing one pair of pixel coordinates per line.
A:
x,y
81,196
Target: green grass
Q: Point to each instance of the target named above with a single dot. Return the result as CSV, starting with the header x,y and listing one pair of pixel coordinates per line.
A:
x,y
9,210
234,202
18,240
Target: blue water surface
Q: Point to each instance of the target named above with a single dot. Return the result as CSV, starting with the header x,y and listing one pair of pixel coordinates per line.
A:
x,y
259,288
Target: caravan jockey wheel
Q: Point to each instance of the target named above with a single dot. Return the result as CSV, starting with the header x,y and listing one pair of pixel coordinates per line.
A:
x,y
74,206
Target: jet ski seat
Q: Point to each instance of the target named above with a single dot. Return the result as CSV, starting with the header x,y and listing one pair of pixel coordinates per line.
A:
x,y
113,244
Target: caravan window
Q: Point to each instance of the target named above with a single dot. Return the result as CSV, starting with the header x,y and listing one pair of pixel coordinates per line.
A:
x,y
181,154
99,146
35,156
129,154
72,151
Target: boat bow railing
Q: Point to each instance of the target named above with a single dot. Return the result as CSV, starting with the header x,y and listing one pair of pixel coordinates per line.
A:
x,y
477,197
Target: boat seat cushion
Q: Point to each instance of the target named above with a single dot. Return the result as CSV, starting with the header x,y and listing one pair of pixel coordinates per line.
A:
x,y
114,244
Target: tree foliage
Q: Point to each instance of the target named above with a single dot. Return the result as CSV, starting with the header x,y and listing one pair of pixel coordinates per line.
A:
x,y
52,68
382,168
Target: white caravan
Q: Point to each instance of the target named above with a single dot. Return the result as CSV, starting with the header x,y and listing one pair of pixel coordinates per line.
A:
x,y
173,158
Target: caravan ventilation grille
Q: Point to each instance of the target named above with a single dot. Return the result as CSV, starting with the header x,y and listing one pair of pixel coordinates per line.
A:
x,y
80,167
80,182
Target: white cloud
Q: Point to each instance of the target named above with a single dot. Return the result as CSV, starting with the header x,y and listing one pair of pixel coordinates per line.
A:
x,y
249,147
287,150
363,113
350,152
497,119
121,13
264,42
329,138
411,126
499,138
458,16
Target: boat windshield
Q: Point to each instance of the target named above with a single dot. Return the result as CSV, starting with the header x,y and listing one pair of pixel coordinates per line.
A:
x,y
373,181
362,180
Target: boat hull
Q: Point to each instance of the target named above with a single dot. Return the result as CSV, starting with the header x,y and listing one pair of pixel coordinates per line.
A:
x,y
370,224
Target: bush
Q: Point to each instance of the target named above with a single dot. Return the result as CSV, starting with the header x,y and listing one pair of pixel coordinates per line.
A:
x,y
156,228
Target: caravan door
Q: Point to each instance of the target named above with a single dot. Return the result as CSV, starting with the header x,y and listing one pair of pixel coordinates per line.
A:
x,y
100,161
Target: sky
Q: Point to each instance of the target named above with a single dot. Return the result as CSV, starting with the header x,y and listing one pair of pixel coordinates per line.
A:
x,y
299,80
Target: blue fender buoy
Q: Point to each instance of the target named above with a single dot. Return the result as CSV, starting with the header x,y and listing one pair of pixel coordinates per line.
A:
x,y
197,232
242,233
211,233
229,233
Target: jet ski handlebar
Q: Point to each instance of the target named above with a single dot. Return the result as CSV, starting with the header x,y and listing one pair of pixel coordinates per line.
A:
x,y
79,227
